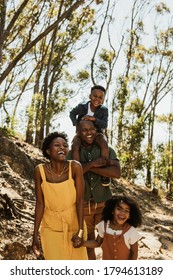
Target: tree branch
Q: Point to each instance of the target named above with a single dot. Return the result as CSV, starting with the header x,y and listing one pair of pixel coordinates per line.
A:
x,y
66,14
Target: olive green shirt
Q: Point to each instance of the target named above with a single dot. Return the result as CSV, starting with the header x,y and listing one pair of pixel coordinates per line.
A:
x,y
93,186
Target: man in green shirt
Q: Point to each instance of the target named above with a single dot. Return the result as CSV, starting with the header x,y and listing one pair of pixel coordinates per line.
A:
x,y
94,166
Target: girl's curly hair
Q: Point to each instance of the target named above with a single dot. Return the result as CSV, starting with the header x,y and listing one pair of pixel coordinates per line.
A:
x,y
48,140
135,218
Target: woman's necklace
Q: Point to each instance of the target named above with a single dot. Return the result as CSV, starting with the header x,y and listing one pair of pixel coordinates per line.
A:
x,y
58,175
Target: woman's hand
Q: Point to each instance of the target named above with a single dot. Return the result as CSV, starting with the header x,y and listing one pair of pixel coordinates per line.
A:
x,y
35,247
77,241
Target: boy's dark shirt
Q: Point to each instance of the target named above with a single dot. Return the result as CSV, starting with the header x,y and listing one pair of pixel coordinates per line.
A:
x,y
101,115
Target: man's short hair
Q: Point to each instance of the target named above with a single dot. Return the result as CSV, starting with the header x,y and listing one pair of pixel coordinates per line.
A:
x,y
80,121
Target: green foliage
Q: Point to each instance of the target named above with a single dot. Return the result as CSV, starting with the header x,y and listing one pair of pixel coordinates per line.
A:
x,y
161,8
42,71
132,164
2,99
7,132
135,106
34,110
107,56
168,118
162,164
123,91
82,75
131,157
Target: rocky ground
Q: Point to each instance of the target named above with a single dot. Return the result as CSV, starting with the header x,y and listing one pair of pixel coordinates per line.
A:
x,y
17,200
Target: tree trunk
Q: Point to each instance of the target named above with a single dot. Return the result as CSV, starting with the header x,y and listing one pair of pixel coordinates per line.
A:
x,y
3,6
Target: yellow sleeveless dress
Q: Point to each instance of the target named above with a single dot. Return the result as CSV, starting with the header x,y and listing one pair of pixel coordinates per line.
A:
x,y
60,221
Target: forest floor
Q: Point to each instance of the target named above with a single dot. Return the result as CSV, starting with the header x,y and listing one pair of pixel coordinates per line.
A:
x,y
17,201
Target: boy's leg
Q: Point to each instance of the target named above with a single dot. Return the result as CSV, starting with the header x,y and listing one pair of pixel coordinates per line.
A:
x,y
102,143
75,148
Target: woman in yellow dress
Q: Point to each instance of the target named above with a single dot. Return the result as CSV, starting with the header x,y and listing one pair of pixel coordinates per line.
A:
x,y
59,187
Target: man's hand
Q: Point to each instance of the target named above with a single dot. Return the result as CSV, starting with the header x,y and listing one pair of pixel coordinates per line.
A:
x,y
100,162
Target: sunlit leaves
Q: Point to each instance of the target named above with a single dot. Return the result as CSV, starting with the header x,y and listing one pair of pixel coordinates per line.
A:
x,y
83,75
135,106
107,56
44,63
163,164
165,118
161,8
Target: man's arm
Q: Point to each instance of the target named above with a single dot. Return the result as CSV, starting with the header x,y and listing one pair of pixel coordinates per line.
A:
x,y
99,162
111,171
99,166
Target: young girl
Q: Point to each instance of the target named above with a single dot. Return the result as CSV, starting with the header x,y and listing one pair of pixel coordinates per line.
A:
x,y
116,231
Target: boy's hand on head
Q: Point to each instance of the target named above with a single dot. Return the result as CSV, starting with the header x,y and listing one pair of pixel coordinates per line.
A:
x,y
85,118
88,118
